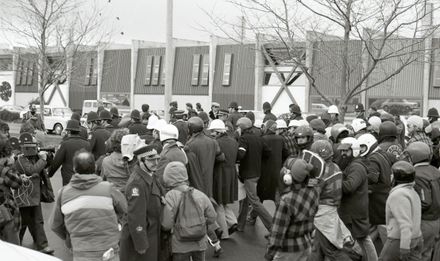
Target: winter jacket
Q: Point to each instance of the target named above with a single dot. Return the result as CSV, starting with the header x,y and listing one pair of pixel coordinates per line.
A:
x,y
141,232
225,187
251,150
170,152
137,128
392,147
86,214
354,203
269,116
233,118
379,184
403,214
331,187
32,168
425,173
172,200
97,139
64,157
182,127
270,167
116,170
207,152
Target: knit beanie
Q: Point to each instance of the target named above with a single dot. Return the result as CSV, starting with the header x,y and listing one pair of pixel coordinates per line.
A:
x,y
300,170
270,125
415,120
175,174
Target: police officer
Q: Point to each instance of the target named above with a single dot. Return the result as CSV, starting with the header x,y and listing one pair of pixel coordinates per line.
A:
x,y
115,116
140,238
97,136
106,120
34,118
64,155
136,126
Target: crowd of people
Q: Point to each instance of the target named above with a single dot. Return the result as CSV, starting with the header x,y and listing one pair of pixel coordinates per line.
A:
x,y
146,189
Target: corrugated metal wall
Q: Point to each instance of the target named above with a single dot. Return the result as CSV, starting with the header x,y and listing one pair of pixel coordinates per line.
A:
x,y
143,54
183,65
79,91
242,85
434,92
327,66
409,82
116,71
26,58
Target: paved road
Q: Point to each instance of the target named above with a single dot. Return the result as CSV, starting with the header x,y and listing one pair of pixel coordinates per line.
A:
x,y
248,245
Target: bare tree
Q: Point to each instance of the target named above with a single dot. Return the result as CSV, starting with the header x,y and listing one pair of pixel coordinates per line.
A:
x,y
52,32
384,30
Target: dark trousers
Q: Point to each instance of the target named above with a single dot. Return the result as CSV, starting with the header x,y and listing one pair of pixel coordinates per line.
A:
x,y
323,250
391,250
32,218
8,233
194,256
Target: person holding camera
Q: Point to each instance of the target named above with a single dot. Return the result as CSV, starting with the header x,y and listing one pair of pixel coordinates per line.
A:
x,y
30,164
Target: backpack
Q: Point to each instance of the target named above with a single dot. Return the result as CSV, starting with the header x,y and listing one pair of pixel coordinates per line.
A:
x,y
190,224
434,186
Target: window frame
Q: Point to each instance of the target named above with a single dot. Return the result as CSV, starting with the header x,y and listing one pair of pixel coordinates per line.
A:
x,y
156,70
227,69
436,70
204,81
148,70
163,71
195,70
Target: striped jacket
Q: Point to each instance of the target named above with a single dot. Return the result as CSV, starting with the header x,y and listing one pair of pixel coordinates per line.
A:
x,y
86,214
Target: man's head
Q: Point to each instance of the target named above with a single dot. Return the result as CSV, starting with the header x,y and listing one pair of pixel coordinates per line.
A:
x,y
215,107
333,111
243,124
295,109
32,108
189,106
414,124
73,127
418,152
403,172
433,115
145,108
223,114
269,127
169,132
303,136
233,106
92,119
4,128
368,143
114,111
195,124
217,127
135,115
84,162
147,156
173,104
199,106
267,107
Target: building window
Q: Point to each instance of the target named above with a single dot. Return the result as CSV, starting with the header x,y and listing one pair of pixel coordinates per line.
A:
x,y
436,81
91,72
30,73
162,76
5,64
205,70
227,69
156,70
24,72
195,70
147,80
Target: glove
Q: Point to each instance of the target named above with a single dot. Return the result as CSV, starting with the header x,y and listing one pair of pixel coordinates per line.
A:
x,y
42,155
405,254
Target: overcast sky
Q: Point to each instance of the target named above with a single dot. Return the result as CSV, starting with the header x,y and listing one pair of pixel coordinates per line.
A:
x,y
146,19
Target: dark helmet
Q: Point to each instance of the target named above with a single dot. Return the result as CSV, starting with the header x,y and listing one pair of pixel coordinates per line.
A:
x,y
92,116
195,124
304,131
105,115
418,152
433,113
114,111
72,125
323,148
359,107
135,114
294,108
318,125
337,130
387,129
404,172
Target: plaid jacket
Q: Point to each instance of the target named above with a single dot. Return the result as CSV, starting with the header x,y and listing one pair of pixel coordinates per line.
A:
x,y
293,221
420,136
289,143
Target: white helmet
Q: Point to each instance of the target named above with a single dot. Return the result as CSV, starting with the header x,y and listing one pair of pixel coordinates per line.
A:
x,y
294,123
217,125
281,124
333,109
303,123
375,122
159,124
368,141
169,131
358,124
152,120
351,143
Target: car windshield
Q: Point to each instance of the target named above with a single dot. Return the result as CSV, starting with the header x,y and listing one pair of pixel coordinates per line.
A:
x,y
61,111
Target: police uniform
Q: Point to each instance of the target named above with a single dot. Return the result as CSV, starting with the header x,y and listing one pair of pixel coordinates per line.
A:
x,y
97,139
142,229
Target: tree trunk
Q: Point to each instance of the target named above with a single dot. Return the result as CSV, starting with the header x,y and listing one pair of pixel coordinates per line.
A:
x,y
344,72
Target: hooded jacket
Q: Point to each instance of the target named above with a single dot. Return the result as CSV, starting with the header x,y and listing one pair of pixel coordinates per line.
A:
x,y
116,170
86,212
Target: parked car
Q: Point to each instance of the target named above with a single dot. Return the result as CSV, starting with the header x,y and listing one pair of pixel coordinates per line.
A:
x,y
92,105
12,108
403,105
319,108
55,118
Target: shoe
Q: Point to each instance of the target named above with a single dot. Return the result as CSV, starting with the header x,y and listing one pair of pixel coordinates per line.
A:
x,y
233,229
47,250
218,250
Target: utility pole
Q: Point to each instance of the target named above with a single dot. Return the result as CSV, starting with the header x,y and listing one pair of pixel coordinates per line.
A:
x,y
168,60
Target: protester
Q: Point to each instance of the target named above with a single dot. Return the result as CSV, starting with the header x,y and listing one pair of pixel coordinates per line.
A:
x,y
82,129
234,115
64,155
256,130
415,131
318,127
176,180
34,118
182,127
106,120
140,239
359,127
136,126
403,217
333,111
115,117
87,213
116,167
388,139
225,181
291,234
